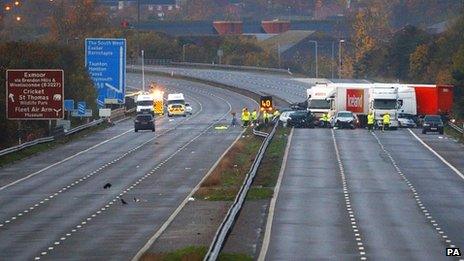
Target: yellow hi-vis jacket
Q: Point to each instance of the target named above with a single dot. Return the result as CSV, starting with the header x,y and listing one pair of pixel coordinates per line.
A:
x,y
325,117
386,118
370,118
254,116
245,116
265,115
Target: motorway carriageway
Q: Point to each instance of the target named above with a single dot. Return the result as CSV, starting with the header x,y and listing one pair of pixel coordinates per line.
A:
x,y
353,195
53,205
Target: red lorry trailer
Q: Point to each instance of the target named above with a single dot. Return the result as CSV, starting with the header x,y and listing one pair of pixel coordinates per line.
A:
x,y
434,99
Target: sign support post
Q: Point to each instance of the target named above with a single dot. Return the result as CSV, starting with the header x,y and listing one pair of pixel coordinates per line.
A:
x,y
19,133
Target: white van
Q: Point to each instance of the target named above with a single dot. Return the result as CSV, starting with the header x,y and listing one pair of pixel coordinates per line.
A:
x,y
145,104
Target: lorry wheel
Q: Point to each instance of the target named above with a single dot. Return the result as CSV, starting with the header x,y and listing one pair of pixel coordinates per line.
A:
x,y
136,130
441,132
153,130
424,132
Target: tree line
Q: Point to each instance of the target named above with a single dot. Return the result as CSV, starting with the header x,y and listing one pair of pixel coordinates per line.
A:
x,y
381,52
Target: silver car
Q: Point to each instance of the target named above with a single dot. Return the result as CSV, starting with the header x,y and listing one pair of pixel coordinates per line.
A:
x,y
284,117
188,108
406,121
345,119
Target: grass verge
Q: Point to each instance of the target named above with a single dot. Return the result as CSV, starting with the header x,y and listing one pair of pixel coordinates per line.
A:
x,y
268,171
225,181
192,253
27,152
227,178
454,133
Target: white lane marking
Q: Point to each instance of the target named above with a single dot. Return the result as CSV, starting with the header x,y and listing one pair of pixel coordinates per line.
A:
x,y
63,160
182,205
354,225
78,180
419,203
172,155
459,173
270,216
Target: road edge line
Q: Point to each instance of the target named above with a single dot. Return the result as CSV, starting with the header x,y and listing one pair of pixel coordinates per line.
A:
x,y
453,168
63,160
182,205
270,216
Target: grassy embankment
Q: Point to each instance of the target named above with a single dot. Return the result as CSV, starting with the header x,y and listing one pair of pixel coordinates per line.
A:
x,y
225,181
192,253
27,152
454,133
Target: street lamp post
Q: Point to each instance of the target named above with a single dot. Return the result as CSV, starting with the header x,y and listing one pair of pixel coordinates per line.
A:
x,y
340,58
333,59
138,28
315,50
143,71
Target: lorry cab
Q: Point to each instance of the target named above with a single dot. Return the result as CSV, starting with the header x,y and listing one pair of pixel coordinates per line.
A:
x,y
407,100
383,98
144,104
176,105
320,98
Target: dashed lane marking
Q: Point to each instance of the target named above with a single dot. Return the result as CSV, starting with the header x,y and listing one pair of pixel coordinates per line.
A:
x,y
79,180
349,209
101,210
64,160
416,196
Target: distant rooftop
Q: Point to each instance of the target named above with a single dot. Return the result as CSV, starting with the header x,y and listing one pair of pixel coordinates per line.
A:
x,y
143,2
286,40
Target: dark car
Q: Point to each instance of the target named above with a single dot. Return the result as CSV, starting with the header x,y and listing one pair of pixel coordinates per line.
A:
x,y
432,123
144,122
301,119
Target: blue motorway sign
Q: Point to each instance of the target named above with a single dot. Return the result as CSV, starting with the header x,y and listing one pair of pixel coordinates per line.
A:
x,y
81,107
69,105
105,59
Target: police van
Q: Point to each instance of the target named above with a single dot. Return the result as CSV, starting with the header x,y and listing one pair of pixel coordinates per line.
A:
x,y
176,105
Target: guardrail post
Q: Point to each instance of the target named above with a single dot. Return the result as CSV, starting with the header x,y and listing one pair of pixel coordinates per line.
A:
x,y
19,132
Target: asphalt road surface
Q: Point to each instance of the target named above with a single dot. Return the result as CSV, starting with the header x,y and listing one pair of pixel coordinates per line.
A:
x,y
400,201
282,86
383,196
53,205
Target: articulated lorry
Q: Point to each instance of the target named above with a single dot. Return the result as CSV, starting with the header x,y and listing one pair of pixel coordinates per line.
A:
x,y
381,98
334,97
